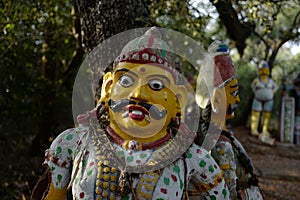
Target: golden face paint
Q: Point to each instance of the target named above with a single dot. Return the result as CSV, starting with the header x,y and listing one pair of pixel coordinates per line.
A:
x,y
264,71
142,101
232,97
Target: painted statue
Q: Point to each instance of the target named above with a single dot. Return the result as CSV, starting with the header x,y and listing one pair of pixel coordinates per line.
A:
x,y
133,145
227,151
264,89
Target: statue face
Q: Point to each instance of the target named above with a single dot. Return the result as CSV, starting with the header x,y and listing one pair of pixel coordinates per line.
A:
x,y
265,71
232,97
225,101
143,100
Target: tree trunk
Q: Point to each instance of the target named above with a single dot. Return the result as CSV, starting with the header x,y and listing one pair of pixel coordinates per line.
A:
x,y
101,19
46,95
53,114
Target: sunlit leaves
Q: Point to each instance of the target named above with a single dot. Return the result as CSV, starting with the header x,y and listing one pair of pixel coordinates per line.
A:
x,y
179,15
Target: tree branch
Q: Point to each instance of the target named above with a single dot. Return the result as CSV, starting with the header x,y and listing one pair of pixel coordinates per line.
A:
x,y
237,31
75,62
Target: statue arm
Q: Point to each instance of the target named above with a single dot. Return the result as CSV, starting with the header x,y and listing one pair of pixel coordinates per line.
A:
x,y
58,161
253,85
224,155
209,177
56,193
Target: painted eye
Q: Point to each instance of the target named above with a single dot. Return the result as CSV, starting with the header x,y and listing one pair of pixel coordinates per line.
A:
x,y
235,93
156,84
126,81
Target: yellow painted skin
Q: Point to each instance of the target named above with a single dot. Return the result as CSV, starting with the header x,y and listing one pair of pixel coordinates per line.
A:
x,y
264,74
222,99
254,122
232,96
267,117
142,83
56,193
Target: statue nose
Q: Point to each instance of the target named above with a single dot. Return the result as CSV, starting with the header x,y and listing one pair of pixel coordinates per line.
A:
x,y
140,92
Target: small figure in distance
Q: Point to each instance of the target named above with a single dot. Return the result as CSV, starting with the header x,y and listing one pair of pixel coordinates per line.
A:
x,y
264,89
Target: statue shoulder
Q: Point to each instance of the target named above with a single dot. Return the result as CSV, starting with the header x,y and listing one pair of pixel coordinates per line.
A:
x,y
70,138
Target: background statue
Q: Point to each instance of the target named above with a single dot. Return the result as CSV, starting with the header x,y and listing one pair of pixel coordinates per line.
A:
x,y
228,151
264,88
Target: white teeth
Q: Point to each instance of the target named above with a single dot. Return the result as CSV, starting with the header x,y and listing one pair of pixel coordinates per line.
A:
x,y
136,112
147,118
125,114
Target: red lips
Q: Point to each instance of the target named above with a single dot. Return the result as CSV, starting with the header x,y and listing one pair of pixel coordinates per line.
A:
x,y
136,112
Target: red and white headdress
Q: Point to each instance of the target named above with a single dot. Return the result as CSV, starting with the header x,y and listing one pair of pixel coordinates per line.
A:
x,y
224,69
148,49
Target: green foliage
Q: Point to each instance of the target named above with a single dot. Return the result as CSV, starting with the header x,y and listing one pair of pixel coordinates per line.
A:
x,y
194,19
33,35
274,25
182,16
286,67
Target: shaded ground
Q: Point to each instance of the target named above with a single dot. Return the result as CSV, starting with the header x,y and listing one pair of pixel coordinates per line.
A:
x,y
19,171
277,167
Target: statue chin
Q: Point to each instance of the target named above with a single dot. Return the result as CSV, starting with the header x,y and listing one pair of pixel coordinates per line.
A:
x,y
141,131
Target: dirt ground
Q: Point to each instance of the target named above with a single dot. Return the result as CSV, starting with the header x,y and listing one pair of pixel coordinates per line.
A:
x,y
277,167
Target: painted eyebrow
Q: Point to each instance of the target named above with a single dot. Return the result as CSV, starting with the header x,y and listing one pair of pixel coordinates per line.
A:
x,y
126,71
234,86
161,76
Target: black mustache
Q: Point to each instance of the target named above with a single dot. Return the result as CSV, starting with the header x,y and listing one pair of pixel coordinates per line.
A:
x,y
231,109
264,73
118,106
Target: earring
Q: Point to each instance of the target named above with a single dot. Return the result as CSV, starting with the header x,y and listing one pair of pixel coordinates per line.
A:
x,y
101,109
178,121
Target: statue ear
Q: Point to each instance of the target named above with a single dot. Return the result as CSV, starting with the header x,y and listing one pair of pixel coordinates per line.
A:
x,y
214,100
218,100
106,87
183,98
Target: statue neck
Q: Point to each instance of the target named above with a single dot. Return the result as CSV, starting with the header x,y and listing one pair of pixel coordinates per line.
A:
x,y
141,145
